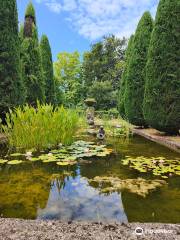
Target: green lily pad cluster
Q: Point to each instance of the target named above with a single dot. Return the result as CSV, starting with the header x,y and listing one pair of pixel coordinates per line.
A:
x,y
139,186
65,156
82,149
78,150
159,166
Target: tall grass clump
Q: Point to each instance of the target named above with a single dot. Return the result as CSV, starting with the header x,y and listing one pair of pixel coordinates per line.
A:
x,y
40,128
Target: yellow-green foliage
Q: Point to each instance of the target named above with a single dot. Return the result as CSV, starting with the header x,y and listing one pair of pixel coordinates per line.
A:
x,y
117,127
42,127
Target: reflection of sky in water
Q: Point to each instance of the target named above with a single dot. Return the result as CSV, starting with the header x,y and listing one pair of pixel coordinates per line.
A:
x,y
79,201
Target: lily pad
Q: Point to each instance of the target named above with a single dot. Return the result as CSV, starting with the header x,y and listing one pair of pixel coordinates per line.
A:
x,y
34,159
14,162
16,154
62,163
50,160
138,186
65,163
2,161
159,166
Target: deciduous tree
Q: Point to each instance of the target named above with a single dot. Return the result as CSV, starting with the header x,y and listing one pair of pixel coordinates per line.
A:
x,y
67,70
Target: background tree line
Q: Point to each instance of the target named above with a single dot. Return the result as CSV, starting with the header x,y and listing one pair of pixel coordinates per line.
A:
x,y
97,75
142,80
69,80
26,67
150,86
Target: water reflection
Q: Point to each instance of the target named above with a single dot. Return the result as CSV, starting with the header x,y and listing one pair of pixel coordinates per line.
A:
x,y
79,201
47,191
25,188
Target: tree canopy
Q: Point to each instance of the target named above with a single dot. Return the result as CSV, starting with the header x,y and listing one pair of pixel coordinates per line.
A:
x,y
31,60
11,84
47,66
135,81
103,63
124,77
162,88
67,70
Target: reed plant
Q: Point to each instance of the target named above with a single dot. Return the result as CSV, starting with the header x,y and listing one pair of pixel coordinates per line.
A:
x,y
41,128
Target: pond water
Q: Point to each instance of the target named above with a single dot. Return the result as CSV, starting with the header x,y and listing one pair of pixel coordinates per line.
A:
x,y
36,190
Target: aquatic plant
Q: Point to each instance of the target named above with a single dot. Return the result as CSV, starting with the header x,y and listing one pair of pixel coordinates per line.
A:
x,y
64,155
41,128
14,162
159,166
78,150
139,186
2,161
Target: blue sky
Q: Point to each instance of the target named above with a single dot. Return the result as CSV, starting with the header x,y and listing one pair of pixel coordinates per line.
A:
x,y
74,24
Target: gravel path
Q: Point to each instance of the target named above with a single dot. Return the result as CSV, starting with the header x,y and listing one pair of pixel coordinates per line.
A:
x,y
15,229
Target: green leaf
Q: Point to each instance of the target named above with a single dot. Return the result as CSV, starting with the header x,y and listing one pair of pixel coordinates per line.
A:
x,y
16,154
2,161
34,159
14,162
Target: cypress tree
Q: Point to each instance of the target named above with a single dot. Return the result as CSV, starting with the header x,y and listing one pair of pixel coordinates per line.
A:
x,y
135,81
31,59
162,89
124,76
47,65
11,84
30,20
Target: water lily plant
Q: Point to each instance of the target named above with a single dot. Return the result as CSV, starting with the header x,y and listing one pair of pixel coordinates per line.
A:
x,y
159,166
65,155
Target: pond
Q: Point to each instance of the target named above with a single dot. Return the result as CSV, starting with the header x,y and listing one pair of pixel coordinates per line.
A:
x,y
36,190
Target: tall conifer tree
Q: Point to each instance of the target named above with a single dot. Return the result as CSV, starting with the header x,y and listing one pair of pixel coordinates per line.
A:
x,y
11,84
124,77
134,92
47,66
162,89
31,59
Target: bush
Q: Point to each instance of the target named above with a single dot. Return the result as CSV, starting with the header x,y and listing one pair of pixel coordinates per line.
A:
x,y
162,89
40,128
134,92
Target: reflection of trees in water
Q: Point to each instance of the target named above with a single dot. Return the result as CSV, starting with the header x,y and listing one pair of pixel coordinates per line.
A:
x,y
162,205
25,188
59,181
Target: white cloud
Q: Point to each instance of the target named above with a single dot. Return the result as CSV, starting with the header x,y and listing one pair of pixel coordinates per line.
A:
x,y
96,18
54,6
